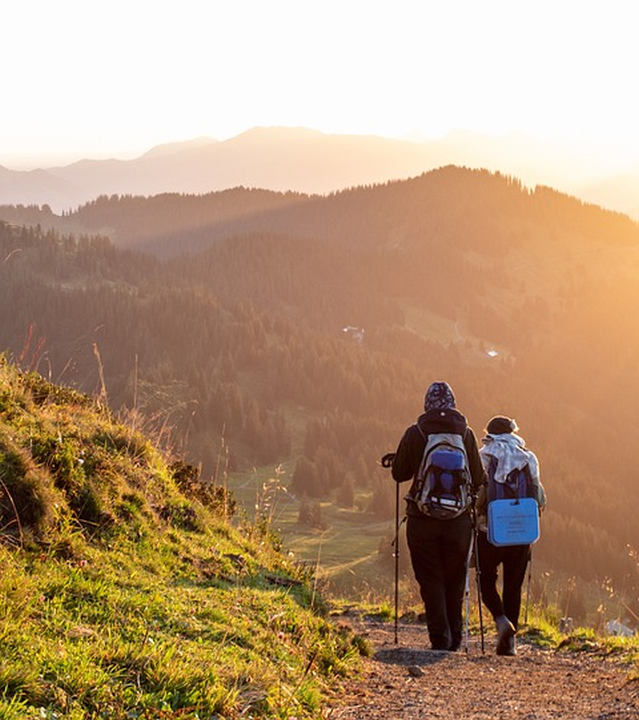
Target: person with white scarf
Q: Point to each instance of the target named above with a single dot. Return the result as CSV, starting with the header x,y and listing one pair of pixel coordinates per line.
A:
x,y
503,451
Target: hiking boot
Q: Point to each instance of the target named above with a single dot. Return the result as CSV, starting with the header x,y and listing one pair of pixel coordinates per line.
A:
x,y
455,643
505,633
509,648
439,642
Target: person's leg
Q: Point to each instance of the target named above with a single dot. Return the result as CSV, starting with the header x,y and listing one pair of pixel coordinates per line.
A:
x,y
423,543
515,563
488,557
456,535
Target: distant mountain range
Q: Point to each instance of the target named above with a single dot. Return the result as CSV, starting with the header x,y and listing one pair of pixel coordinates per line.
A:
x,y
308,161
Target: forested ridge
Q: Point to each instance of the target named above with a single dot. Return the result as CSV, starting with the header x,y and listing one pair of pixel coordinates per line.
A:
x,y
223,317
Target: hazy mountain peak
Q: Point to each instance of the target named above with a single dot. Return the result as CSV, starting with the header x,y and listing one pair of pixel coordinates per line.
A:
x,y
176,147
278,133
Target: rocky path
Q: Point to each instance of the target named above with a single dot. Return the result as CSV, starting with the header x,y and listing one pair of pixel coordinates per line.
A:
x,y
408,681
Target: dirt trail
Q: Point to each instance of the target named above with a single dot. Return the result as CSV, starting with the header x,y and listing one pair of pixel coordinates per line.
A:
x,y
408,681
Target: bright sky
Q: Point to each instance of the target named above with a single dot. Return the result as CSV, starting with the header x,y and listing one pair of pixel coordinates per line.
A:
x,y
91,78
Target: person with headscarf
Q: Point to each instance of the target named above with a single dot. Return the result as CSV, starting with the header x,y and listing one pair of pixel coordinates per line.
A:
x,y
439,548
502,452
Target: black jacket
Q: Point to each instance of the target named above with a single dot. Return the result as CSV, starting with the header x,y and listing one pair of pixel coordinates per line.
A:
x,y
411,448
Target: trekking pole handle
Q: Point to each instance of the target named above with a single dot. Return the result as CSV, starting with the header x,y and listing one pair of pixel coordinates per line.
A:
x,y
387,460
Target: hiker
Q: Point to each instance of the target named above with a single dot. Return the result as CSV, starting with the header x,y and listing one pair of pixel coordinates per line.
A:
x,y
439,548
503,451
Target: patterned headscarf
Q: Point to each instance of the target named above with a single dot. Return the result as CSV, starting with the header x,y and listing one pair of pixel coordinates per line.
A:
x,y
439,396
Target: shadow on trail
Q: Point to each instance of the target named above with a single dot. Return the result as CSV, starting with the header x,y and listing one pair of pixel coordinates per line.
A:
x,y
410,656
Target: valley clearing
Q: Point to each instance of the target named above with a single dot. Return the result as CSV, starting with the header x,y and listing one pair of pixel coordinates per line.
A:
x,y
408,681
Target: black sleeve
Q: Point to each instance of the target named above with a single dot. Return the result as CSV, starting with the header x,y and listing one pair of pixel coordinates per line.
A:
x,y
408,455
475,464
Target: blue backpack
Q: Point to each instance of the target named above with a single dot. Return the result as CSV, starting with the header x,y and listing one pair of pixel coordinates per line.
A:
x,y
518,484
444,486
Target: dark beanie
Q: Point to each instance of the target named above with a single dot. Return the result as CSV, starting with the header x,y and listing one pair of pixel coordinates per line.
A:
x,y
439,396
499,425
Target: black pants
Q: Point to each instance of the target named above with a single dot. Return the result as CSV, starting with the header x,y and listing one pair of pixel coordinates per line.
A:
x,y
514,560
439,555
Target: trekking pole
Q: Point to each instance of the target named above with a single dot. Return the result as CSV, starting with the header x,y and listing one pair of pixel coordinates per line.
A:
x,y
478,577
387,461
396,558
528,584
467,594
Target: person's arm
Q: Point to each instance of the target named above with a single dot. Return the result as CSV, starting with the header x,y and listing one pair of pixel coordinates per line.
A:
x,y
408,455
481,499
475,464
539,488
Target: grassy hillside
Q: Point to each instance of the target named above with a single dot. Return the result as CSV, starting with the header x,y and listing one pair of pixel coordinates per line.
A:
x,y
127,592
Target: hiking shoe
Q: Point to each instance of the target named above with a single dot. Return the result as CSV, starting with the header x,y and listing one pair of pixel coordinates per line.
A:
x,y
505,633
455,642
508,648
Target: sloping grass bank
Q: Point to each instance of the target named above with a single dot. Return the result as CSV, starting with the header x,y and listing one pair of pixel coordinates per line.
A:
x,y
126,593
